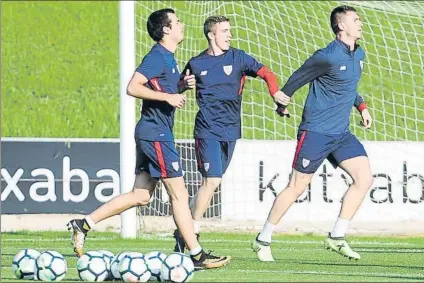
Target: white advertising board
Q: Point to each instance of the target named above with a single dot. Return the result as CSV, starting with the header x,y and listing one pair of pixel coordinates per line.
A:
x,y
260,169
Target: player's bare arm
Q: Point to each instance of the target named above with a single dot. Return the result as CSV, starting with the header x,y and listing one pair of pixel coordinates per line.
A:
x,y
137,88
363,109
366,119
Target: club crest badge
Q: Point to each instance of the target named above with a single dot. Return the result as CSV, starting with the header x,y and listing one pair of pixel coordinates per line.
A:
x,y
305,162
176,165
228,69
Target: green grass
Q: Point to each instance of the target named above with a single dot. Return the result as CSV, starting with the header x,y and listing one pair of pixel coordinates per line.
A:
x,y
298,258
60,63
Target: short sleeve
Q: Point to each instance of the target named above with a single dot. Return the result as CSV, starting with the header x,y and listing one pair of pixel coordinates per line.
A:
x,y
249,64
152,65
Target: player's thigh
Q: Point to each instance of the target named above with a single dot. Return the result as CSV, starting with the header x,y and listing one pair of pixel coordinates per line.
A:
x,y
144,186
299,181
175,187
227,151
311,151
163,160
359,169
348,147
352,158
208,155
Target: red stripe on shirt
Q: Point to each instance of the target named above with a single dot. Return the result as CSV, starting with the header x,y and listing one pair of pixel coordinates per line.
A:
x,y
155,84
242,82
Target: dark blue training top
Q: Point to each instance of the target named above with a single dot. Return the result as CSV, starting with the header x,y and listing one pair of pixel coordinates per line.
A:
x,y
333,73
219,85
157,117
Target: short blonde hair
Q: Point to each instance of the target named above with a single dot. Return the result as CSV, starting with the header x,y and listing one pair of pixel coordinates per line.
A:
x,y
211,21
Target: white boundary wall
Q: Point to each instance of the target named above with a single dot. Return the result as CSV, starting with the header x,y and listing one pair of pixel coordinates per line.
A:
x,y
389,208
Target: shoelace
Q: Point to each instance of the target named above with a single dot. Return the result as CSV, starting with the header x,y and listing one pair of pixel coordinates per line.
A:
x,y
209,255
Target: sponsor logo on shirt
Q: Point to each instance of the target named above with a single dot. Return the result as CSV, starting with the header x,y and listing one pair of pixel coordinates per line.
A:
x,y
203,73
343,68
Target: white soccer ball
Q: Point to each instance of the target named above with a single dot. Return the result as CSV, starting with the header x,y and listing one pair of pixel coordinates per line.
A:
x,y
50,266
154,262
23,264
177,267
133,268
92,266
114,265
108,255
109,258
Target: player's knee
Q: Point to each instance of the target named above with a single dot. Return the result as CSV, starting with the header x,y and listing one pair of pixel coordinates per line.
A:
x,y
211,183
299,189
178,196
365,181
299,183
140,197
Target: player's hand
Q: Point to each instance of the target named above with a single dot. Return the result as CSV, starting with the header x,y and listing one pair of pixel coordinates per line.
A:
x,y
189,80
366,119
281,98
282,110
176,100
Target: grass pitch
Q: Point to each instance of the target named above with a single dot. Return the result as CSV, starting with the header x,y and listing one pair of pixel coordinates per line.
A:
x,y
298,258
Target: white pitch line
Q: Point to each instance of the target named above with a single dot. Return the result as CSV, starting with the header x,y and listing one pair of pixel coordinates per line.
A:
x,y
298,242
307,272
313,272
288,249
10,267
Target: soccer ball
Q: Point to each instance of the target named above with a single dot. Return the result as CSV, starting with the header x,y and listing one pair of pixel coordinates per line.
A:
x,y
92,266
154,262
177,267
114,265
133,268
109,258
23,264
107,255
50,266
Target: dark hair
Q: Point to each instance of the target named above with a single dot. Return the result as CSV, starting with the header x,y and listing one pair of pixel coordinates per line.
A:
x,y
157,21
211,21
336,15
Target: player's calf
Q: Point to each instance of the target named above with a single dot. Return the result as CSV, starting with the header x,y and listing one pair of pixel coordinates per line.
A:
x,y
180,244
79,229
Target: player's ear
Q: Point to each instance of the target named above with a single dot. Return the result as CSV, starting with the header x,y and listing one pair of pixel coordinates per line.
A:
x,y
342,25
166,30
210,35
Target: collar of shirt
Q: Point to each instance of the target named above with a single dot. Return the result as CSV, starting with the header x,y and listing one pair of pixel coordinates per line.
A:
x,y
162,49
346,47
